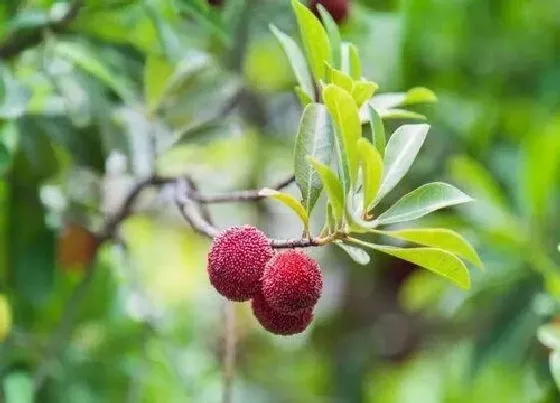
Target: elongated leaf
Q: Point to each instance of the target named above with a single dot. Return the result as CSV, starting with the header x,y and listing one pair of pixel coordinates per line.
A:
x,y
157,72
394,99
554,362
333,187
436,260
289,201
549,335
315,137
423,200
333,34
401,114
90,63
358,255
344,112
314,38
401,151
362,91
439,238
378,137
372,171
304,99
342,80
297,61
350,63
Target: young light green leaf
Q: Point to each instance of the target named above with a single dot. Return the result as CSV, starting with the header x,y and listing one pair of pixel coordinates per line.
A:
x,y
378,137
401,114
344,112
315,137
297,61
342,80
362,91
392,100
372,171
333,187
157,72
549,335
436,260
333,33
358,255
350,63
401,151
304,99
439,238
289,201
420,95
314,38
423,200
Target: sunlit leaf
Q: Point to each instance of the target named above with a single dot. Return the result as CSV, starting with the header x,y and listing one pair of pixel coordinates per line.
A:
x,y
289,201
400,153
304,99
363,90
344,113
350,63
422,201
314,38
341,80
436,260
401,114
297,61
315,137
333,187
334,35
439,238
392,100
358,255
372,171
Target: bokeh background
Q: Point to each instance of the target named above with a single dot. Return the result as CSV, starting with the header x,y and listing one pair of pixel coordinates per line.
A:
x,y
97,94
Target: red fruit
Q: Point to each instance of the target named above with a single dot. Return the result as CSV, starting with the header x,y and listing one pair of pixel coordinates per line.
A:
x,y
278,323
292,282
215,2
338,9
236,262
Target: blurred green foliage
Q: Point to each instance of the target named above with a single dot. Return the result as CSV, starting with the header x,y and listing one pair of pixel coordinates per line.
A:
x,y
89,95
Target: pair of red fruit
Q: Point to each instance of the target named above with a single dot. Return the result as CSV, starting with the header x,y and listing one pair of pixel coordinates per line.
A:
x,y
283,287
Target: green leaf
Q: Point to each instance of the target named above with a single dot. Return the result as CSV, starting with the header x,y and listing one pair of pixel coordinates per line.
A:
x,y
372,171
304,99
315,138
362,91
401,114
358,255
423,200
314,38
554,362
18,388
344,112
436,260
549,335
157,72
333,34
420,95
333,187
289,201
439,238
297,61
91,63
342,80
401,151
378,137
392,100
350,63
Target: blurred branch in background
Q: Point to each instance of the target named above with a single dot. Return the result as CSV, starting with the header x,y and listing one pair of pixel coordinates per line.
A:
x,y
19,41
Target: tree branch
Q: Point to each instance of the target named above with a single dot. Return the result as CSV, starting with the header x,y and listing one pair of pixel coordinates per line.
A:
x,y
18,41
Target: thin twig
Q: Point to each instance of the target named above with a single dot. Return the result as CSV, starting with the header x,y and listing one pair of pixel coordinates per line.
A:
x,y
19,41
239,196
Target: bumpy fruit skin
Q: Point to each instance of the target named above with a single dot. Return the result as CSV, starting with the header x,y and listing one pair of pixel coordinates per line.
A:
x,y
338,9
292,282
236,262
278,323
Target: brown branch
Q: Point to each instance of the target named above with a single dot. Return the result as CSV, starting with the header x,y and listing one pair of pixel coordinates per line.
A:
x,y
239,196
19,41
